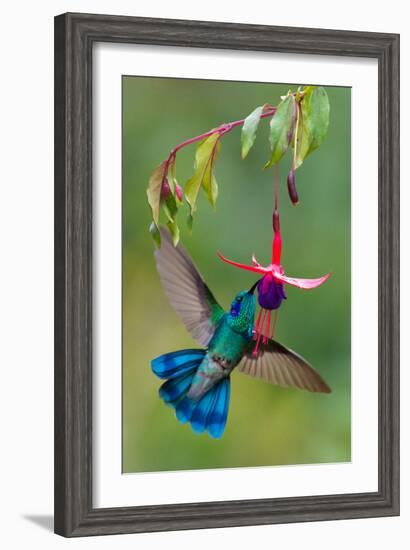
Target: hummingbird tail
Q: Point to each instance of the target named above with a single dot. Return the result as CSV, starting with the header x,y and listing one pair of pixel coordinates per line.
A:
x,y
209,413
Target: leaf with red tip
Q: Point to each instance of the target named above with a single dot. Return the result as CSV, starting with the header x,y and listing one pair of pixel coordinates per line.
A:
x,y
154,190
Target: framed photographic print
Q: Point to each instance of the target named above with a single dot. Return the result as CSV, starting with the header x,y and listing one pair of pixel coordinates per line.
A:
x,y
226,274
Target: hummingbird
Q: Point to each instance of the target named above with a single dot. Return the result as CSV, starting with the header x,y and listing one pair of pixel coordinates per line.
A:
x,y
197,382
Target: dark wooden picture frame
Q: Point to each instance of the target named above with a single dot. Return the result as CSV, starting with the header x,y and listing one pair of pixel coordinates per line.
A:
x,y
75,35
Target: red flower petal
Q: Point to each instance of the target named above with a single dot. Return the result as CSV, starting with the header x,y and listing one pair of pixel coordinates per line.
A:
x,y
254,269
306,284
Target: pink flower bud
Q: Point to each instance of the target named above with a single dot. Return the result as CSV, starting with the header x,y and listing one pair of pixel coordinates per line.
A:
x,y
275,222
165,189
178,192
293,194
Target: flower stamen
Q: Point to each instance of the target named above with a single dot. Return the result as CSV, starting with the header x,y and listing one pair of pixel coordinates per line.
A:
x,y
259,330
267,327
257,325
262,331
274,324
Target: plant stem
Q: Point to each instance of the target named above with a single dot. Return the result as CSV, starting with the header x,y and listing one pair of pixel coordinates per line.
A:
x,y
296,137
221,130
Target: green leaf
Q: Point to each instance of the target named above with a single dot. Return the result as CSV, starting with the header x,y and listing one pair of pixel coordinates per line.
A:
x,y
249,129
314,122
203,175
174,230
154,190
153,229
210,186
170,207
280,129
189,221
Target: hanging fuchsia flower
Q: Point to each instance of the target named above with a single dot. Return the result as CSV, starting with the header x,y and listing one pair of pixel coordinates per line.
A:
x,y
271,290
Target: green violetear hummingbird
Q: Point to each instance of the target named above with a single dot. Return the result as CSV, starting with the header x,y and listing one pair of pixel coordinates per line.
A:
x,y
198,380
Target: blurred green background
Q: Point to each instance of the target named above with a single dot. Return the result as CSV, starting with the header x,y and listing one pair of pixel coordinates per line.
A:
x,y
266,425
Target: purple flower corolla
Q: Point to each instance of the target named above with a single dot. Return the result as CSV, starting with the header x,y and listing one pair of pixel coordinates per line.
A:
x,y
270,292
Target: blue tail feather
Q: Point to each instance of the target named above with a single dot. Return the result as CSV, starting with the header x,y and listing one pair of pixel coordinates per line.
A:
x,y
211,410
171,365
184,410
201,411
174,388
219,414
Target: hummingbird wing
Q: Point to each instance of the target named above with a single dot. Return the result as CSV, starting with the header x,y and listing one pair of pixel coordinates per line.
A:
x,y
281,366
186,290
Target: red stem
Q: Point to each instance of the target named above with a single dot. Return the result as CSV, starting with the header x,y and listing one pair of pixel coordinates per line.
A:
x,y
277,241
221,130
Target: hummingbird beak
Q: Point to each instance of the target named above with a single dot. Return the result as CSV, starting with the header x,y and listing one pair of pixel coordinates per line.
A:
x,y
252,289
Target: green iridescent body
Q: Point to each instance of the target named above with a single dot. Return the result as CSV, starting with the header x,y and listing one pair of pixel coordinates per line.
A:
x,y
228,345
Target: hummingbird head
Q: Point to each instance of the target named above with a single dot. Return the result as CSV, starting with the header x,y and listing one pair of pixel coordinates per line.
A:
x,y
242,311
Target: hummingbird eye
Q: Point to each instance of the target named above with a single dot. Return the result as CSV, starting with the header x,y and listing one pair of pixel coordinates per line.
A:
x,y
239,299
